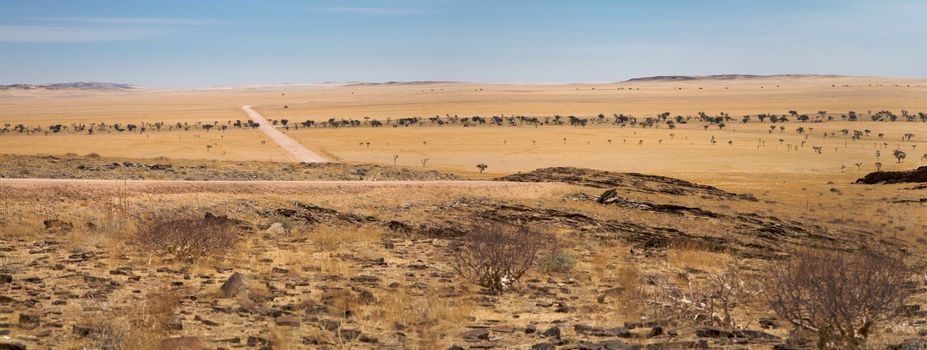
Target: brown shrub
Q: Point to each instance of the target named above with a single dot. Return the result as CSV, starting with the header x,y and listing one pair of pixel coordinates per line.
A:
x,y
188,239
496,256
711,300
838,296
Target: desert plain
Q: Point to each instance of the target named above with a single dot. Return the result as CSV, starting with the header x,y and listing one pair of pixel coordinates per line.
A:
x,y
713,190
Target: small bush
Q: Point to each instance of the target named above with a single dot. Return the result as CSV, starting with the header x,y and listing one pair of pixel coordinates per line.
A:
x,y
188,239
838,296
496,256
558,262
701,301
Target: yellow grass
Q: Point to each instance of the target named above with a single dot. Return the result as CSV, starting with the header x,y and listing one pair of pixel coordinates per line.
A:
x,y
227,145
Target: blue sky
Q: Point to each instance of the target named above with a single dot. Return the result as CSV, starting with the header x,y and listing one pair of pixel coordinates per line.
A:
x,y
170,43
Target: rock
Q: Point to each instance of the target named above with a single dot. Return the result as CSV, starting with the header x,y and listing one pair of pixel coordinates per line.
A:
x,y
909,344
503,329
767,323
531,328
11,345
255,341
57,226
713,332
894,177
755,335
607,196
552,332
476,335
543,346
656,331
6,278
81,330
365,296
602,332
28,321
365,279
455,347
181,343
288,321
236,284
275,229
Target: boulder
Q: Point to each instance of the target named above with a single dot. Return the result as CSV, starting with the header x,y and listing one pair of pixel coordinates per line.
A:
x,y
235,285
552,332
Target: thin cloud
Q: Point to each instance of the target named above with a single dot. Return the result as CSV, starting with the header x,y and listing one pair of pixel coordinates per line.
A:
x,y
374,11
129,21
92,29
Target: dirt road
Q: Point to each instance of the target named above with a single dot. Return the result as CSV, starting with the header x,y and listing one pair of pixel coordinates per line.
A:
x,y
295,149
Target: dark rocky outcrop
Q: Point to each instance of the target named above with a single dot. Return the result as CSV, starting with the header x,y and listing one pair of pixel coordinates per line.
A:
x,y
625,181
895,177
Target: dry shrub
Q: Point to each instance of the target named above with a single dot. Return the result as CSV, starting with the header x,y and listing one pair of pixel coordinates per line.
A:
x,y
496,256
709,301
188,239
838,296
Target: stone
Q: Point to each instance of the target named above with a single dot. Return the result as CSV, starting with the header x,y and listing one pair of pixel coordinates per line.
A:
x,y
6,278
11,345
602,332
552,332
275,229
503,329
713,332
365,279
234,285
543,346
288,321
531,328
82,330
476,335
656,331
181,343
28,321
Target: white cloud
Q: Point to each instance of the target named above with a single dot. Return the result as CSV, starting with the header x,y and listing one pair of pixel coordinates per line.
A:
x,y
92,29
376,11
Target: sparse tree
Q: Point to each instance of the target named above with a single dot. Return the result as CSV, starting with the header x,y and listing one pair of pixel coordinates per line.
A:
x,y
899,155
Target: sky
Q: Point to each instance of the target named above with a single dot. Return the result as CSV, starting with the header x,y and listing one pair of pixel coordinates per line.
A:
x,y
203,43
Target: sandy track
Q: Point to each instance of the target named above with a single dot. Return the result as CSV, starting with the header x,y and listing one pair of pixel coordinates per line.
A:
x,y
295,149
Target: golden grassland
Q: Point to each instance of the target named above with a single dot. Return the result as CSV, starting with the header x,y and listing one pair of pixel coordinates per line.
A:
x,y
223,145
321,102
815,186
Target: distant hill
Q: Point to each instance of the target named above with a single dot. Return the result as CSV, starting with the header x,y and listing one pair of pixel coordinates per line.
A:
x,y
725,77
81,85
422,82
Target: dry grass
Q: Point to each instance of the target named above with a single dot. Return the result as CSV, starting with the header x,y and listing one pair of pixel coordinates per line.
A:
x,y
695,257
428,318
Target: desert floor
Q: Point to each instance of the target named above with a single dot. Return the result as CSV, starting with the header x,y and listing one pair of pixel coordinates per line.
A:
x,y
365,264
